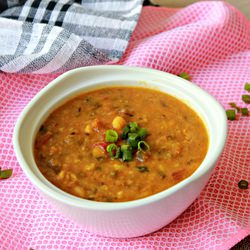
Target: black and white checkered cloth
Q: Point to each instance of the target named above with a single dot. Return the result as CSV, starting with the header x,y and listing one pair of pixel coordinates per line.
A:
x,y
55,36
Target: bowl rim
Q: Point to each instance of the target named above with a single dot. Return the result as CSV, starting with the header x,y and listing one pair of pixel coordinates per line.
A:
x,y
112,206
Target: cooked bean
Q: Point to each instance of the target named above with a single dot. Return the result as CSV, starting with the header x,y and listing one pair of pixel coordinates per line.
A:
x,y
118,123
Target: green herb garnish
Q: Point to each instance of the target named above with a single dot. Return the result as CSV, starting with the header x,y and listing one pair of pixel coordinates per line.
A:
x,y
247,86
143,146
244,111
113,150
133,127
111,136
133,143
134,136
126,152
125,132
246,98
142,132
233,105
184,75
5,174
231,115
133,139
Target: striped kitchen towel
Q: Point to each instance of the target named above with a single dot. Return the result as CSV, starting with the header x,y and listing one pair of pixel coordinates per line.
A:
x,y
43,36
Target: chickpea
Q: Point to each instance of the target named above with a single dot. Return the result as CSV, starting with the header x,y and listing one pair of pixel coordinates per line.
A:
x,y
118,167
97,152
119,194
87,129
79,191
118,122
89,167
73,177
61,175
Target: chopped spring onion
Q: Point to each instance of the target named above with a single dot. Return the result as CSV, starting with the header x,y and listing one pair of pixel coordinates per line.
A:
x,y
111,136
184,75
142,169
133,126
125,132
133,139
246,98
244,111
5,174
142,132
247,86
126,152
243,184
233,105
139,156
231,114
143,146
113,150
134,146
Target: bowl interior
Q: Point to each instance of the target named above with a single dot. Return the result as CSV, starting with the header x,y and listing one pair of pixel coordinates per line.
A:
x,y
85,79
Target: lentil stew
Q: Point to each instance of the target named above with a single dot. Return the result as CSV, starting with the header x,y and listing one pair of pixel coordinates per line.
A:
x,y
73,146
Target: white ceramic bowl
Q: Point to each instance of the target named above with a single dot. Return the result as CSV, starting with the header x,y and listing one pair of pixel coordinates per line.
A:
x,y
121,219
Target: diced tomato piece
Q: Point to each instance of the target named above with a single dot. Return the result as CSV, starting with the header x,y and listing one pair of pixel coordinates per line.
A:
x,y
102,145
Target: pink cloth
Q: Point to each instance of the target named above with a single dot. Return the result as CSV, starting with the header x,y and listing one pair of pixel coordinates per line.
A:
x,y
210,41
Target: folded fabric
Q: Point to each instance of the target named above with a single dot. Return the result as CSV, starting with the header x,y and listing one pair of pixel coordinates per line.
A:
x,y
55,36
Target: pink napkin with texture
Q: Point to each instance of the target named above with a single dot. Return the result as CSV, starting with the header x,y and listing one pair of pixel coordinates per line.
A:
x,y
210,41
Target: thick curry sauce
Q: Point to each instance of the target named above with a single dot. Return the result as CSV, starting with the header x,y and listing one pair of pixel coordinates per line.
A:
x,y
70,147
